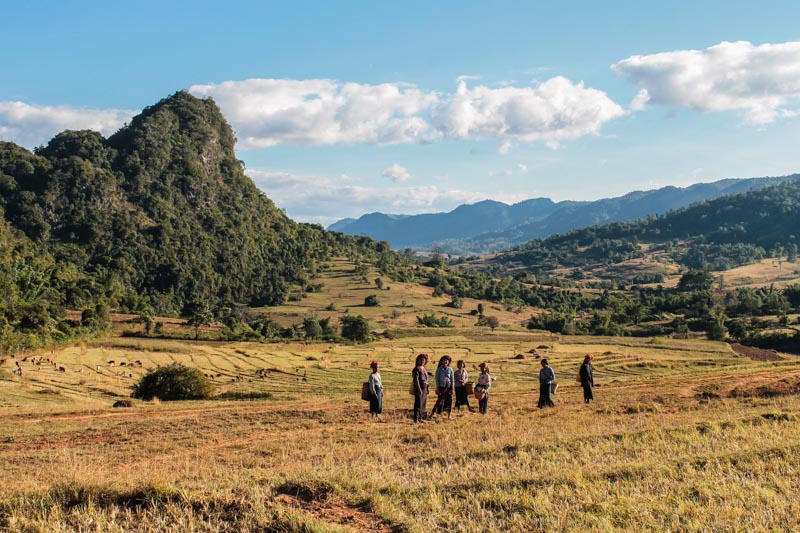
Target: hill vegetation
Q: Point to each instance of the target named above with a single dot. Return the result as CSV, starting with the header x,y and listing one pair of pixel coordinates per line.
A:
x,y
159,219
717,235
493,226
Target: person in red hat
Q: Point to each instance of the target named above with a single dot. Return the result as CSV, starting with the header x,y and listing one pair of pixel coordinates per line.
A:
x,y
419,387
375,391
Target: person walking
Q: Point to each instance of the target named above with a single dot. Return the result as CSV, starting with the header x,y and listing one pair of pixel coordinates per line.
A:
x,y
586,376
461,376
546,378
444,387
484,384
419,385
375,391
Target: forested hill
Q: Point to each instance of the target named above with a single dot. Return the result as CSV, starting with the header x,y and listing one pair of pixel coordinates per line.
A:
x,y
718,234
489,225
158,216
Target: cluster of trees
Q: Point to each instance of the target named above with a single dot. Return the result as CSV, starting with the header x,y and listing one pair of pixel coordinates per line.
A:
x,y
722,233
155,220
692,306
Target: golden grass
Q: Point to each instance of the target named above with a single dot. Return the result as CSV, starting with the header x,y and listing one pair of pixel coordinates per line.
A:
x,y
763,273
684,436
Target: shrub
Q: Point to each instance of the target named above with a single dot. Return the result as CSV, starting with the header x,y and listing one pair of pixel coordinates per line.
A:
x,y
355,328
371,301
432,321
173,382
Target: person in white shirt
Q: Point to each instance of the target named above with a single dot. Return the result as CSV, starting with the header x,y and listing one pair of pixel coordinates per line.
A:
x,y
484,384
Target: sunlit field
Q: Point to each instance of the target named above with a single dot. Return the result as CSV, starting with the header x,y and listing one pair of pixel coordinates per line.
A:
x,y
684,435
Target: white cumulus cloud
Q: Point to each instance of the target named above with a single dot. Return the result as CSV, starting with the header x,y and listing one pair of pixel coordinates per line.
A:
x,y
396,173
31,125
760,82
268,112
553,111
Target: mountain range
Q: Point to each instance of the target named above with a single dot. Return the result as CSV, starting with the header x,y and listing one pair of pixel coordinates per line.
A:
x,y
490,225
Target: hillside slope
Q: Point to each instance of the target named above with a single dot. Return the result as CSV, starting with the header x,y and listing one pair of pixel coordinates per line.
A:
x,y
489,225
161,213
718,234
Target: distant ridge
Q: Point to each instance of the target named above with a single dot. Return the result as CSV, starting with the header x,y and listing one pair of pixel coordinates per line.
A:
x,y
490,225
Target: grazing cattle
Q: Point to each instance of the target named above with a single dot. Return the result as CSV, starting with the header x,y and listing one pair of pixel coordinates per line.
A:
x,y
123,363
111,363
62,369
138,363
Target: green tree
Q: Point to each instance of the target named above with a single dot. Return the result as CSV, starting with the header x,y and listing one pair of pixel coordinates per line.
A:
x,y
149,322
371,301
173,382
312,328
200,315
491,322
696,280
355,328
716,328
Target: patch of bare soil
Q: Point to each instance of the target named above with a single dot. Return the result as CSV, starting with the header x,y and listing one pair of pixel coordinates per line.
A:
x,y
324,505
756,354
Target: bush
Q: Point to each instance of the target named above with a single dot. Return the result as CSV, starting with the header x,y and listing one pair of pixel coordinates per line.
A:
x,y
432,321
355,328
371,301
173,382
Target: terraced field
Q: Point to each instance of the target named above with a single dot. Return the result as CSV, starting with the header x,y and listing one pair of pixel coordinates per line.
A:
x,y
684,435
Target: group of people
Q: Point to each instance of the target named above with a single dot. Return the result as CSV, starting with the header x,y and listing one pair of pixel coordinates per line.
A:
x,y
449,381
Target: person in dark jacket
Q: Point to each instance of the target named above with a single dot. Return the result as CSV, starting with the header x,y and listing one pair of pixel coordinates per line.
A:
x,y
419,384
444,387
546,379
587,378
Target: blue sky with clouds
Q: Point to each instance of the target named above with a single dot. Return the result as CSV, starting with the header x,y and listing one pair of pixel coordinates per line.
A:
x,y
344,108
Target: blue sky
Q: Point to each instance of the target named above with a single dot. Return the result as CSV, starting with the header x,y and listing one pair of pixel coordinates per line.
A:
x,y
344,108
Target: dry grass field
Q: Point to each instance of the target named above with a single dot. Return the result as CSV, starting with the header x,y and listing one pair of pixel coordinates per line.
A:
x,y
400,303
773,271
684,436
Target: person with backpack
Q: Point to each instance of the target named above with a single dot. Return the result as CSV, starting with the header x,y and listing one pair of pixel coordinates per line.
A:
x,y
375,391
482,388
546,378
